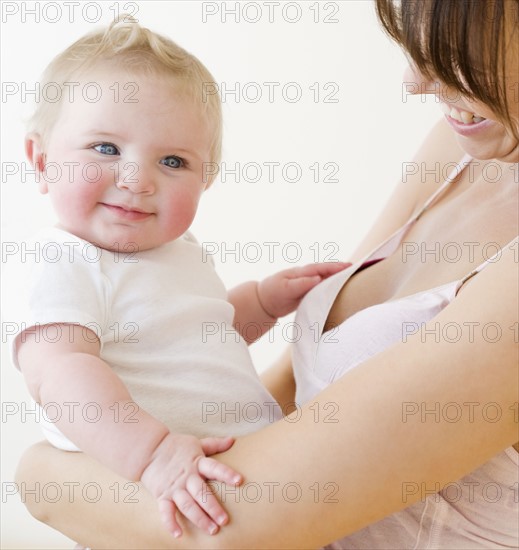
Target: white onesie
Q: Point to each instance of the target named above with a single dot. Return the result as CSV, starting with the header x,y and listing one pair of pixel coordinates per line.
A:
x,y
164,324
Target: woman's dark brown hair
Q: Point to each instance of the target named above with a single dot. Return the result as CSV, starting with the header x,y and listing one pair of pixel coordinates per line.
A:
x,y
470,45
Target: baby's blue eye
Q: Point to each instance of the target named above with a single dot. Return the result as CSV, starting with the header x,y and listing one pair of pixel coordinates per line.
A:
x,y
172,162
106,149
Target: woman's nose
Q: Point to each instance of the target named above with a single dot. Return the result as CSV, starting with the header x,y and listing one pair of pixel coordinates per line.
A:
x,y
414,82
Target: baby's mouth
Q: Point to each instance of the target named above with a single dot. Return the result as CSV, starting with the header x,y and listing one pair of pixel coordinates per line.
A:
x,y
127,212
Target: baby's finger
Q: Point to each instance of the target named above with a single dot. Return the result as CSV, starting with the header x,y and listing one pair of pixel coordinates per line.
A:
x,y
213,445
168,512
300,286
202,493
190,508
323,269
330,268
212,469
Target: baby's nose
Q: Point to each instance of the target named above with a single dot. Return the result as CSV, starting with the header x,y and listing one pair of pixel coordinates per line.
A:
x,y
136,178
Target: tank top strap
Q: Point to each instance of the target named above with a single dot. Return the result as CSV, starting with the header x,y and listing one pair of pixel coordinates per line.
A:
x,y
391,244
460,166
491,260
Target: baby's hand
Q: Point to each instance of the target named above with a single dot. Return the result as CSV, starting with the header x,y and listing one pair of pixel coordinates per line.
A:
x,y
176,477
281,293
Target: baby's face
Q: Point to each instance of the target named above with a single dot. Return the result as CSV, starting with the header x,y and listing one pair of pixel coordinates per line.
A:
x,y
129,167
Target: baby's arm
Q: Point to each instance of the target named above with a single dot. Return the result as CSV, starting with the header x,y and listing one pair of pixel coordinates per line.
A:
x,y
71,374
261,303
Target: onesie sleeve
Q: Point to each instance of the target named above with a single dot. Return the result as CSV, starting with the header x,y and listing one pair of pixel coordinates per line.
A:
x,y
54,278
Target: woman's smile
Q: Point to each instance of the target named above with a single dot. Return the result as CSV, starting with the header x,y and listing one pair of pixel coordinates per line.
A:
x,y
465,123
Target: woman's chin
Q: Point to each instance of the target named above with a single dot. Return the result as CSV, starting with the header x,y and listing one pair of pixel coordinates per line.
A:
x,y
504,152
512,155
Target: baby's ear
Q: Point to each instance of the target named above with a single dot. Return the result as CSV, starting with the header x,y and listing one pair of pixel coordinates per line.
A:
x,y
36,157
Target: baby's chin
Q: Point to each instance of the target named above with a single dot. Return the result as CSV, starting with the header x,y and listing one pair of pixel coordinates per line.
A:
x,y
93,238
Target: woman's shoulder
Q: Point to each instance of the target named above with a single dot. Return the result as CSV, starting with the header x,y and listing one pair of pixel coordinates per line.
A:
x,y
495,283
485,314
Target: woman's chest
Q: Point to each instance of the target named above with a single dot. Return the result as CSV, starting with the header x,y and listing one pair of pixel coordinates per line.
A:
x,y
432,253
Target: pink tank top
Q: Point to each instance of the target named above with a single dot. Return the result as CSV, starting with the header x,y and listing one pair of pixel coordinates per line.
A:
x,y
482,509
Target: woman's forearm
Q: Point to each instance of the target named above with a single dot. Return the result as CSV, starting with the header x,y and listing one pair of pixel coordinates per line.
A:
x,y
341,461
326,480
97,507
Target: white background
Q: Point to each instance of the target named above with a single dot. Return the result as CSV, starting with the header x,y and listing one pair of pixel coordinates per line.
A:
x,y
369,133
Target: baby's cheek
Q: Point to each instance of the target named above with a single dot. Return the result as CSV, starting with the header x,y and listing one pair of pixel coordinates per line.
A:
x,y
78,197
181,213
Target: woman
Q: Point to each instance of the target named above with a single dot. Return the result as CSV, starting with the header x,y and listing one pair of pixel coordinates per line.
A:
x,y
417,447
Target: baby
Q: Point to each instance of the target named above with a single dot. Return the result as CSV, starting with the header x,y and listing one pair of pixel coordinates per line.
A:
x,y
113,311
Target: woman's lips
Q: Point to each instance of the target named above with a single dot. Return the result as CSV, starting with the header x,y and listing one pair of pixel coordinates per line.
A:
x,y
466,129
127,212
461,115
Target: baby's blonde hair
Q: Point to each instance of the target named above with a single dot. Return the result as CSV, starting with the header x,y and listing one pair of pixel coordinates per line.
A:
x,y
140,51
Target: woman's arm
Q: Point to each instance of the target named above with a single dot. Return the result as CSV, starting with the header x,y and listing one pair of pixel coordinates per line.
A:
x,y
97,508
330,476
